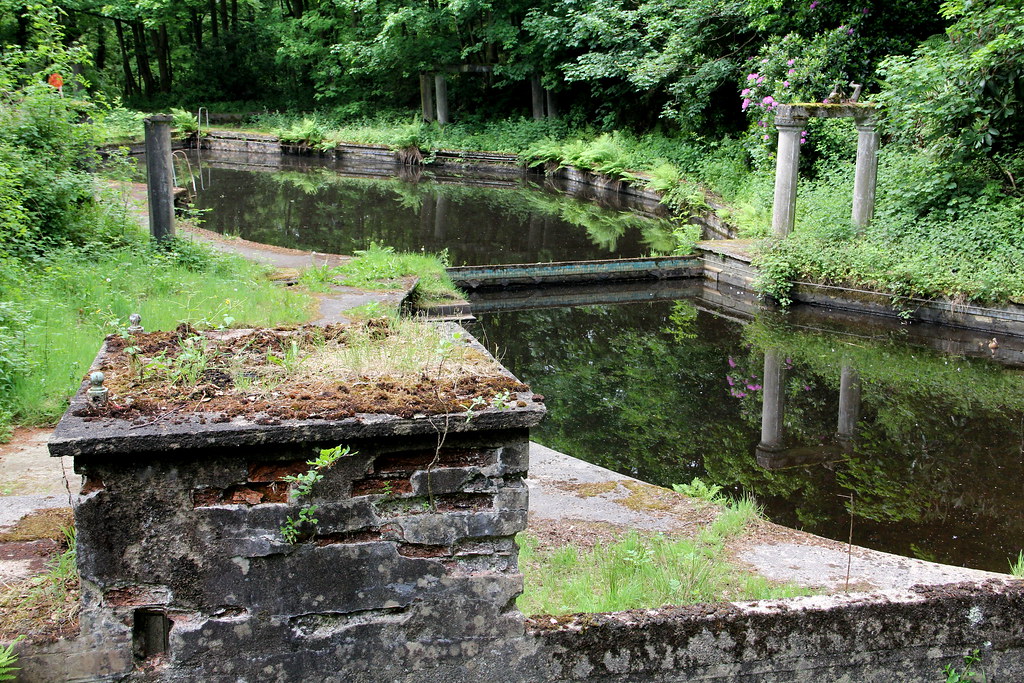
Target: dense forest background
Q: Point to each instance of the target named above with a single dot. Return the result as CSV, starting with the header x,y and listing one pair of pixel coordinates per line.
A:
x,y
608,62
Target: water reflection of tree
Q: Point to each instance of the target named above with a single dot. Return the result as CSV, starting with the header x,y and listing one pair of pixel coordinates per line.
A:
x,y
933,431
323,210
646,401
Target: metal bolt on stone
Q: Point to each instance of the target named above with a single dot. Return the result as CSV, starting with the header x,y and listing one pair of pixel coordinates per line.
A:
x,y
136,324
97,392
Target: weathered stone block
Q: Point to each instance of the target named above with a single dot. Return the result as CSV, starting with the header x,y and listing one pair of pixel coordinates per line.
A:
x,y
410,560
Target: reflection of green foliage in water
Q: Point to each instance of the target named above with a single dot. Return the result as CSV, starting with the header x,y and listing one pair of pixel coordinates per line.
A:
x,y
638,401
933,429
344,202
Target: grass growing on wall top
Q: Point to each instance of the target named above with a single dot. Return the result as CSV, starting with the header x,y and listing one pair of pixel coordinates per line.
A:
x,y
642,571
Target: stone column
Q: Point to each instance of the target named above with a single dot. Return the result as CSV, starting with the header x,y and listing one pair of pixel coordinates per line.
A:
x,y
849,404
160,176
786,170
427,96
773,401
867,172
441,90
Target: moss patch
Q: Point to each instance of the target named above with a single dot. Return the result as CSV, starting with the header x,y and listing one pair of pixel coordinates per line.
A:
x,y
649,498
42,524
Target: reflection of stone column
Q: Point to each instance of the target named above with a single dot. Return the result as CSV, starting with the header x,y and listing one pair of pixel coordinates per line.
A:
x,y
534,235
772,402
441,217
787,164
441,92
849,404
867,172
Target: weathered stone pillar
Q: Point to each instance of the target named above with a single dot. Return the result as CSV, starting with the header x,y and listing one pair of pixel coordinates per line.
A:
x,y
849,404
536,98
787,164
427,96
441,91
410,566
866,177
160,175
773,401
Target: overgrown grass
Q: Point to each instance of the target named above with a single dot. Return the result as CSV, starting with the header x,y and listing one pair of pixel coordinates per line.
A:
x,y
1017,566
46,604
58,306
380,267
643,571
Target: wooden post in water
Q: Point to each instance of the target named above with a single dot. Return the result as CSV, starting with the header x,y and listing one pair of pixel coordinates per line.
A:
x,y
441,90
427,96
159,176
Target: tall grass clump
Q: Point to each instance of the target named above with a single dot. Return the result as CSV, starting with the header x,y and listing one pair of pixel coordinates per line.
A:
x,y
642,571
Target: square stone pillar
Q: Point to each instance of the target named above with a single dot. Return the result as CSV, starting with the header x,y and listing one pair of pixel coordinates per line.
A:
x,y
787,164
410,566
866,177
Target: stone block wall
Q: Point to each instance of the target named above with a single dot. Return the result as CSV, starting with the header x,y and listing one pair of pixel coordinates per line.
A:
x,y
186,573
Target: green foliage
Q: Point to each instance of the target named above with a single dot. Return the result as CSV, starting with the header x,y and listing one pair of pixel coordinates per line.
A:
x,y
302,487
641,571
701,490
381,267
960,94
1017,566
185,122
971,660
8,659
308,131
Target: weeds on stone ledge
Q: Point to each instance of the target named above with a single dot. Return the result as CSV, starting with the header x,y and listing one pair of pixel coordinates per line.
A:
x,y
47,604
304,486
642,571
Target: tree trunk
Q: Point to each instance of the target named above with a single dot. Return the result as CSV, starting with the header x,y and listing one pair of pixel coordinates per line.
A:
x,y
21,32
142,58
130,87
234,15
537,98
196,23
224,15
427,96
213,18
163,57
101,46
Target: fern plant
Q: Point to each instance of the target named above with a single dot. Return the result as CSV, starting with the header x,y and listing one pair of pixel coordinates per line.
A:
x,y
8,658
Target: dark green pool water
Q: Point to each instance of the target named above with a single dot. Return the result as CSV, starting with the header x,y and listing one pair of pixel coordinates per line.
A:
x,y
305,205
666,393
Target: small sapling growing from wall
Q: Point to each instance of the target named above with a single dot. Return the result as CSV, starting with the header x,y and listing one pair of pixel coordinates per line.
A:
x,y
303,486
